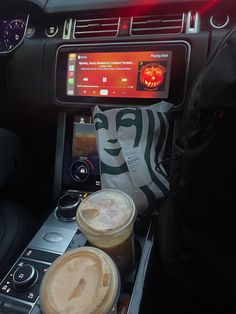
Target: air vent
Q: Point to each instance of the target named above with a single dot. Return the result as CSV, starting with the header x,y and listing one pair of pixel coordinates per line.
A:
x,y
157,24
104,27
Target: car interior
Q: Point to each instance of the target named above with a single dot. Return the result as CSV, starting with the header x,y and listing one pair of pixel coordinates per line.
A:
x,y
59,60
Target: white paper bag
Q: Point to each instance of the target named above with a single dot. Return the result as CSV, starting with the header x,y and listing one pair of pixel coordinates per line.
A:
x,y
131,143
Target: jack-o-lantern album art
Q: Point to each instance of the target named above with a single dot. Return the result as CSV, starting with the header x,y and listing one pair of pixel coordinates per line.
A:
x,y
151,75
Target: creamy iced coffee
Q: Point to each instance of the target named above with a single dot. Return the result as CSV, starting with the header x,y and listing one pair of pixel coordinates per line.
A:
x,y
82,281
106,218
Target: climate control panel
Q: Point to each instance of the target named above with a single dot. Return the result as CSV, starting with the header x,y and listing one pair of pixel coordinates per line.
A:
x,y
81,163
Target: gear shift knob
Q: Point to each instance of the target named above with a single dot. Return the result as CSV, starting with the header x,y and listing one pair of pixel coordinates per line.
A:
x,y
67,206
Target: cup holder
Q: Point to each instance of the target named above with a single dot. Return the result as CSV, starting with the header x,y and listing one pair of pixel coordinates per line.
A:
x,y
134,279
128,280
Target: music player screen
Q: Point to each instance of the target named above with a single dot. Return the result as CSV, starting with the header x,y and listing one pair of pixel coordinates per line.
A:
x,y
140,74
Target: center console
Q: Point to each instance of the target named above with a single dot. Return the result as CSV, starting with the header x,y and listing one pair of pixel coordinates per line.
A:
x,y
19,290
118,74
78,172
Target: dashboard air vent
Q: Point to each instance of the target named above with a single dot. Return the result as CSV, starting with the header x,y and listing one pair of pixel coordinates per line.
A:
x,y
157,24
104,27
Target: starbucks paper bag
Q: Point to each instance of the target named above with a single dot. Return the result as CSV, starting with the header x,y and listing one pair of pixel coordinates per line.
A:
x,y
131,144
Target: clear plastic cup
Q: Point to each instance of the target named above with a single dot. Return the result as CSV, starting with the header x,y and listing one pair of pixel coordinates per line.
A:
x,y
106,218
82,281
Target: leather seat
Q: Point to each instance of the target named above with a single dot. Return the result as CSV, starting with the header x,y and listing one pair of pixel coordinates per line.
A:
x,y
16,226
201,283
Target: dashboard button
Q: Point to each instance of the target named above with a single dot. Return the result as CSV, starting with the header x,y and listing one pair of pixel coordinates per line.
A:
x,y
219,21
51,30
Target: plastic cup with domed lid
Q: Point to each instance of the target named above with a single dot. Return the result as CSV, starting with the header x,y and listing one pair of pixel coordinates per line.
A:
x,y
106,217
82,281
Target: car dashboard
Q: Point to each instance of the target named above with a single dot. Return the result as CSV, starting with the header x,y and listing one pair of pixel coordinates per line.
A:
x,y
33,40
61,58
55,24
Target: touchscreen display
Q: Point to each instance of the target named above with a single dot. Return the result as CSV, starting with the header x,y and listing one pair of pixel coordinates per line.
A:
x,y
141,74
84,145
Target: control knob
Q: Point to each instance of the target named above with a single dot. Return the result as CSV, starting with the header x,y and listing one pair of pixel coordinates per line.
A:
x,y
80,170
219,20
67,206
24,277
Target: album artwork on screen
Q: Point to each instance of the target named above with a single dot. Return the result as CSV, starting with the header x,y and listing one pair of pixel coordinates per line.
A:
x,y
84,146
136,74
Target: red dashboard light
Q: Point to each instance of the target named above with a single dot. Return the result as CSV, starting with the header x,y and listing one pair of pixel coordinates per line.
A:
x,y
124,26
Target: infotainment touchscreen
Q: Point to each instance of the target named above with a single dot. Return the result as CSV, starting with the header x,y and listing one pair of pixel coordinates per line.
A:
x,y
121,74
139,74
84,147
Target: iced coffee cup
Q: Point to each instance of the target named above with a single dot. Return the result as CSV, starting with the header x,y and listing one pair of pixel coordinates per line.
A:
x,y
106,218
82,281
